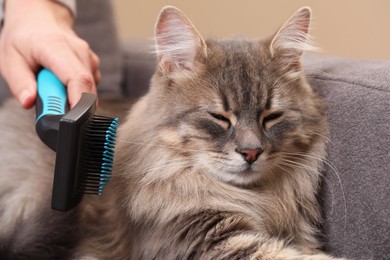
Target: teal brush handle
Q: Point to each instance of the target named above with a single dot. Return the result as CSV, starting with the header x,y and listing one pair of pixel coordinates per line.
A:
x,y
51,105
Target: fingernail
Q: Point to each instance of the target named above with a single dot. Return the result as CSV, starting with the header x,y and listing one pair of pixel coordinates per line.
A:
x,y
24,96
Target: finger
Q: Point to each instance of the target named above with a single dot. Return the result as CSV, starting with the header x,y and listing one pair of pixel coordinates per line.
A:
x,y
97,76
80,82
95,61
64,62
83,52
21,79
87,57
96,67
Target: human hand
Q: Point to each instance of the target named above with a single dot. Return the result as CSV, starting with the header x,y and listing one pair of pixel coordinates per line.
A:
x,y
39,33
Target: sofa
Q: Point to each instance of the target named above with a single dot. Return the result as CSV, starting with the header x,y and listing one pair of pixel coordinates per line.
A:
x,y
355,191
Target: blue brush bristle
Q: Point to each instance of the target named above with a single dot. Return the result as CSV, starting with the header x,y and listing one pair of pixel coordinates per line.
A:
x,y
99,144
108,155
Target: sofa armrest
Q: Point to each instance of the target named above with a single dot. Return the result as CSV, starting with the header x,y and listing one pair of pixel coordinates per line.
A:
x,y
356,189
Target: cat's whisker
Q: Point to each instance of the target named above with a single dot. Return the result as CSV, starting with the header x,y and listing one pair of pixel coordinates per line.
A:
x,y
289,81
337,174
192,79
311,70
214,83
206,108
177,164
278,79
330,190
285,170
323,136
300,198
286,75
326,180
223,160
329,184
161,167
171,160
162,146
282,106
324,160
298,164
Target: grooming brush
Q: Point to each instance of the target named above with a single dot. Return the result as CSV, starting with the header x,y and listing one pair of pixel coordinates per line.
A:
x,y
83,142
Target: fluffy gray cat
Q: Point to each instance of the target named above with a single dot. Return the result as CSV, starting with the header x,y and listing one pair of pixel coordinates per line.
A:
x,y
221,159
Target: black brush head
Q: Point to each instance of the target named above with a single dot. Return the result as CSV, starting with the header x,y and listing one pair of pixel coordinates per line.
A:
x,y
85,152
97,155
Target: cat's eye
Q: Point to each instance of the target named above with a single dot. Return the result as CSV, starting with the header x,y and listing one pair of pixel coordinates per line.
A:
x,y
221,118
271,117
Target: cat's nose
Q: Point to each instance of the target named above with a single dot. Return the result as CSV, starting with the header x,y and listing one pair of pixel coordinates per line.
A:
x,y
250,155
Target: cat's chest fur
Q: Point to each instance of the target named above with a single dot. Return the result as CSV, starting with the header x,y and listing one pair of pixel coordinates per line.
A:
x,y
208,212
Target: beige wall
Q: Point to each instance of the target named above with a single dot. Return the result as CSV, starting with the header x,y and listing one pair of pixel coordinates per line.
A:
x,y
352,28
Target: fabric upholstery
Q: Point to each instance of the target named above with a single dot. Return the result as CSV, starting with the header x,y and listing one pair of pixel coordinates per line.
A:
x,y
356,188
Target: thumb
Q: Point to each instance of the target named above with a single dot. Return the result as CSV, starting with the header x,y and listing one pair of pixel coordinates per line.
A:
x,y
21,80
81,83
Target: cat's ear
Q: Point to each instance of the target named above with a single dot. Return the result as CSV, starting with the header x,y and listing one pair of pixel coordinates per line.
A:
x,y
292,39
178,44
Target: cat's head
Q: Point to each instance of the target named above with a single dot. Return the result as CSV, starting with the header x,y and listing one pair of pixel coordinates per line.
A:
x,y
241,109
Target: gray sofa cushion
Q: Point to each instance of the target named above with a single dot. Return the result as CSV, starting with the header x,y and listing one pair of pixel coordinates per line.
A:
x,y
356,188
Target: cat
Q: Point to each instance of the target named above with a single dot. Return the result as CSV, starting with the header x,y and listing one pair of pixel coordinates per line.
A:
x,y
221,159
